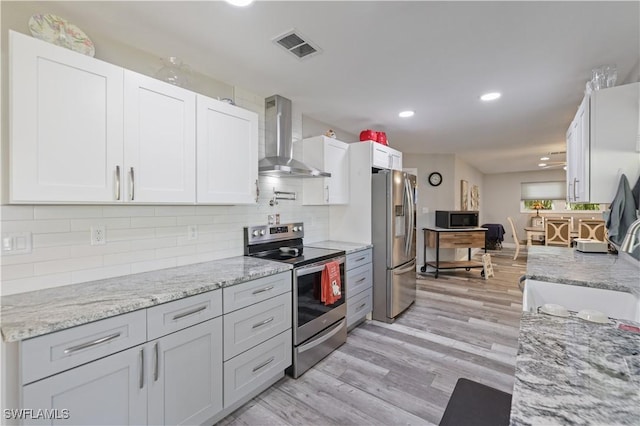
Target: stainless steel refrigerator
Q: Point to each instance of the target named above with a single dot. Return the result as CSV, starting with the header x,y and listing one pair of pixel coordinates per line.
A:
x,y
393,222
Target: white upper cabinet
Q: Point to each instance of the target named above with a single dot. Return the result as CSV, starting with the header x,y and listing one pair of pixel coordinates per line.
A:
x,y
328,155
85,131
384,157
602,144
227,145
65,126
159,141
578,155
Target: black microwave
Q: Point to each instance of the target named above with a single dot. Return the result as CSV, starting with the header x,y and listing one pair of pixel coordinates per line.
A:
x,y
456,219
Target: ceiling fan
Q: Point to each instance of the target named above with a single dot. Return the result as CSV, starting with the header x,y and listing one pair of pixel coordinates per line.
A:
x,y
553,160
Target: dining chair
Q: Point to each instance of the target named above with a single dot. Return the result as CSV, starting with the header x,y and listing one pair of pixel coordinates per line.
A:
x,y
557,232
516,240
592,229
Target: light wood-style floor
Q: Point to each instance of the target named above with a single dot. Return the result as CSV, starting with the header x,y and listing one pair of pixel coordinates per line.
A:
x,y
403,373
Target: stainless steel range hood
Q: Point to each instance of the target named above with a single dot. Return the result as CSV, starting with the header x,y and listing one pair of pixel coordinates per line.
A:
x,y
279,143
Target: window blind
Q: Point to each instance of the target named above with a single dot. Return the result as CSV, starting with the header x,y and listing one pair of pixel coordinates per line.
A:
x,y
555,190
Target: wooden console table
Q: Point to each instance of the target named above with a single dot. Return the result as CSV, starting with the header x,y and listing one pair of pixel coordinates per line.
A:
x,y
453,238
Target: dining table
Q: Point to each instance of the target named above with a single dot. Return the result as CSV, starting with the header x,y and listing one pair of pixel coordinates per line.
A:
x,y
539,231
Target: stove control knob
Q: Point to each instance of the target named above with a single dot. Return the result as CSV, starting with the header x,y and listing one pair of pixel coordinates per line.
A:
x,y
262,232
255,233
295,229
300,228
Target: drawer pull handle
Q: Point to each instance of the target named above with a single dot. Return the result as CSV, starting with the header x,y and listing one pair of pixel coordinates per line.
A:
x,y
361,279
90,344
191,312
360,259
361,306
156,361
264,364
262,290
141,384
265,322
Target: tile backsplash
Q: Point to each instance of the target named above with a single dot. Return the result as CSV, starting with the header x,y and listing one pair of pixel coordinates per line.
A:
x,y
141,238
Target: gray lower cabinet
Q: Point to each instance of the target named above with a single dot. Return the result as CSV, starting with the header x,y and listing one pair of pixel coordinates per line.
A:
x,y
184,375
359,286
257,337
182,362
107,391
174,380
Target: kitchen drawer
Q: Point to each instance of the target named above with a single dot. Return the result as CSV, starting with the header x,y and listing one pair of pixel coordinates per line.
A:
x,y
358,258
173,316
359,279
55,352
359,306
250,292
254,324
255,367
457,239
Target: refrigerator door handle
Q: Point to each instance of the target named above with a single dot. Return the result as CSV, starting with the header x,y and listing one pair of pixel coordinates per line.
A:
x,y
409,212
411,266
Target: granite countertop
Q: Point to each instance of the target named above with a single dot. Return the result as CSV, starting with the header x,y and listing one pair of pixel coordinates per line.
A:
x,y
598,270
569,371
39,312
348,247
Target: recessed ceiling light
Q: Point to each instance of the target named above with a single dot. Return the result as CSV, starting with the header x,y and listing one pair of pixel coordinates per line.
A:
x,y
542,165
545,158
490,96
405,114
240,3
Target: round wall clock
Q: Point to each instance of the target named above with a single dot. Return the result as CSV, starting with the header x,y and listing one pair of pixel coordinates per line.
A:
x,y
435,179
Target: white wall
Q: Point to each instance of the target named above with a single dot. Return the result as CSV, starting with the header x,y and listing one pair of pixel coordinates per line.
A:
x,y
502,198
445,196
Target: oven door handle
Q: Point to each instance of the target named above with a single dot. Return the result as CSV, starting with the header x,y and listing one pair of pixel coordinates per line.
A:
x,y
331,331
316,268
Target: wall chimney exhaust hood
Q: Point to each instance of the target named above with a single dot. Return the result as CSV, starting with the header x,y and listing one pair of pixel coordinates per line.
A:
x,y
279,160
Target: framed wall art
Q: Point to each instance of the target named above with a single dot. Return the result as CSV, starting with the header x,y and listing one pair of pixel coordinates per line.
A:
x,y
475,197
464,195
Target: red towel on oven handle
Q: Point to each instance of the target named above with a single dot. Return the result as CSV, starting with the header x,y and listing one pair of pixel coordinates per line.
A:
x,y
331,285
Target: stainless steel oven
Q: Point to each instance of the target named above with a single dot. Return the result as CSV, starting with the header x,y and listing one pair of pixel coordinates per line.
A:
x,y
318,329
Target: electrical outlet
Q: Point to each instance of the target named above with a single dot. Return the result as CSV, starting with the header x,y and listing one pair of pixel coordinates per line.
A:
x,y
98,235
192,232
16,243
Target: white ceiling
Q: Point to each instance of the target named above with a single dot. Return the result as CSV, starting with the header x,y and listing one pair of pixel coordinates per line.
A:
x,y
382,57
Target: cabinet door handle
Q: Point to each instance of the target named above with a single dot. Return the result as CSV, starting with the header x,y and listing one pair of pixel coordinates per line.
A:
x,y
360,259
191,312
264,364
141,384
575,183
361,306
117,183
262,290
257,191
156,362
132,184
90,344
361,279
265,322
327,188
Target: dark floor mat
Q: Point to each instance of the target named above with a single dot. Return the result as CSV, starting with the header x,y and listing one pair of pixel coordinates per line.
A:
x,y
474,404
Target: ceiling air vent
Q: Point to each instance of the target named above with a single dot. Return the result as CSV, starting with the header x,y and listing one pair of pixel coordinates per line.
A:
x,y
295,43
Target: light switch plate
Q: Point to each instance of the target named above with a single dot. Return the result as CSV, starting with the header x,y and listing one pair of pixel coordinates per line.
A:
x,y
16,243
